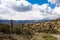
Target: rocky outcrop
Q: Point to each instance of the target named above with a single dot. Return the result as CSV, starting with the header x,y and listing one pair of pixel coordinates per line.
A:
x,y
51,25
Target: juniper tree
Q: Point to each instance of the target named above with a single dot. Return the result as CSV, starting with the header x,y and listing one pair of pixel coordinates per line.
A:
x,y
11,25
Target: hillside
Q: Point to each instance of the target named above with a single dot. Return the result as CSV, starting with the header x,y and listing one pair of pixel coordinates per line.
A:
x,y
52,25
48,26
30,31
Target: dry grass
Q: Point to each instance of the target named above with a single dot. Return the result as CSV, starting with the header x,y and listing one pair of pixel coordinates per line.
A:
x,y
36,36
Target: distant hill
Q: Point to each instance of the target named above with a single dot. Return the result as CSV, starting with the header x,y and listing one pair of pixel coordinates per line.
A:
x,y
22,21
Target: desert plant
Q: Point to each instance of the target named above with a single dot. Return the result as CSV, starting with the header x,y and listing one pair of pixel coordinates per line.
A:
x,y
49,37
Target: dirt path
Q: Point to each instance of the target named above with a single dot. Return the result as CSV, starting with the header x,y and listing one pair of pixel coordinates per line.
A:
x,y
57,36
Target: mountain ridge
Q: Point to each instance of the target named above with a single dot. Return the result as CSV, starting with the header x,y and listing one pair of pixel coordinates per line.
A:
x,y
22,21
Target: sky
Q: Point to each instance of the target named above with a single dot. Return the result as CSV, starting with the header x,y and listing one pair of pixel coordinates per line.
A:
x,y
29,9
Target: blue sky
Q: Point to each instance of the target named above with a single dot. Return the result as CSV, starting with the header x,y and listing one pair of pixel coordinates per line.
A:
x,y
40,2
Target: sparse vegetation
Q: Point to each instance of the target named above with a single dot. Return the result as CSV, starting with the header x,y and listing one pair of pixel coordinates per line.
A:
x,y
49,37
29,30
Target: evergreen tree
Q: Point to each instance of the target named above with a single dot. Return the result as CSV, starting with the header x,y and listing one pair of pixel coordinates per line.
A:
x,y
11,25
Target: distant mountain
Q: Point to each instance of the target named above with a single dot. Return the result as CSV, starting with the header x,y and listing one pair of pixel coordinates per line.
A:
x,y
22,21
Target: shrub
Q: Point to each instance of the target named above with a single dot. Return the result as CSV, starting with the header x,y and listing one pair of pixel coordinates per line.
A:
x,y
49,37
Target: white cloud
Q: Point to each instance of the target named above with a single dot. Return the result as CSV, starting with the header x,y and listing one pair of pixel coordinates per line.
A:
x,y
57,2
23,10
56,10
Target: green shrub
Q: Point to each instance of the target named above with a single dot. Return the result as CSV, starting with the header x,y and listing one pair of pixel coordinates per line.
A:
x,y
49,37
4,28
